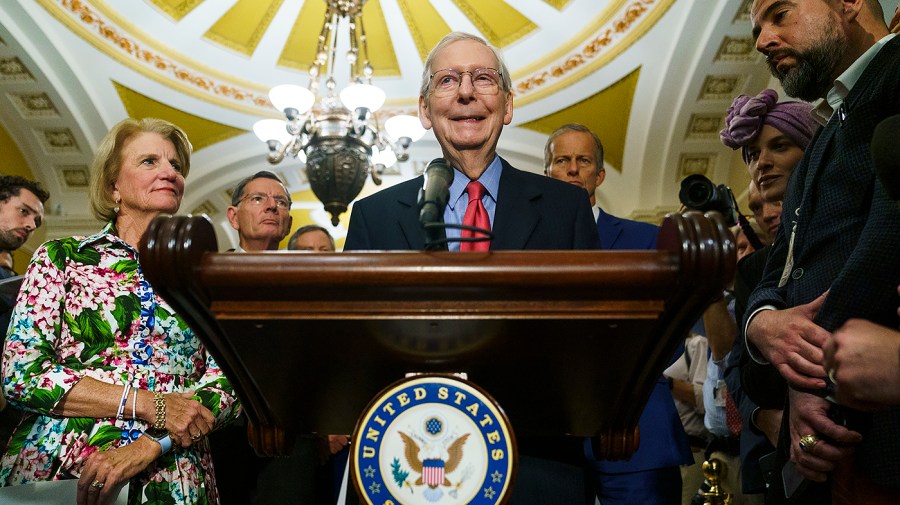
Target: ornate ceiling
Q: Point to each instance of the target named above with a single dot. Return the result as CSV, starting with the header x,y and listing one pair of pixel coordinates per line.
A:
x,y
652,77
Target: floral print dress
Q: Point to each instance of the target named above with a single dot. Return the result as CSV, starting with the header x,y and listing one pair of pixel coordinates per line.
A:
x,y
85,310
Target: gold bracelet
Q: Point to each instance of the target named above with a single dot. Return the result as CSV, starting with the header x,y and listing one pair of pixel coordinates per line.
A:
x,y
160,402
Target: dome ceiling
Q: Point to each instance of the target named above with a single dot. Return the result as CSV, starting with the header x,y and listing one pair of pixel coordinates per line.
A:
x,y
652,77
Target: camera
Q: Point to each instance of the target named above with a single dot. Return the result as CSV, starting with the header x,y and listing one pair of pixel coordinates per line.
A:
x,y
699,193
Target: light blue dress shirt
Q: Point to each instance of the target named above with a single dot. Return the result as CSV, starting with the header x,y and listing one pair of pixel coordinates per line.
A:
x,y
459,199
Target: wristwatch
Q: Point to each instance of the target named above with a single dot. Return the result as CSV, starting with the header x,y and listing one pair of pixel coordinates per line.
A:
x,y
161,437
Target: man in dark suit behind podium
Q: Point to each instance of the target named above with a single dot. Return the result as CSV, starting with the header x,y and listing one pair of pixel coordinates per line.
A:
x,y
574,154
465,98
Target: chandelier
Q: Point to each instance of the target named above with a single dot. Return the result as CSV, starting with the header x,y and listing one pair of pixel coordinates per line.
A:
x,y
341,140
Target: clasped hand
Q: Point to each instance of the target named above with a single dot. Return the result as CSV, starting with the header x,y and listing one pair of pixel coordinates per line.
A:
x,y
105,472
792,342
863,358
186,419
809,416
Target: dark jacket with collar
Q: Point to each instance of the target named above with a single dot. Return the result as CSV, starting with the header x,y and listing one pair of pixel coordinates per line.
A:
x,y
846,237
534,212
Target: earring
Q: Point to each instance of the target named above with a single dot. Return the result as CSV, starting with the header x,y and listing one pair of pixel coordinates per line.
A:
x,y
118,201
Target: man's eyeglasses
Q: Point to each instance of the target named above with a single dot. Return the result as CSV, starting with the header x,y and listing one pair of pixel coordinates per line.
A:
x,y
260,199
486,81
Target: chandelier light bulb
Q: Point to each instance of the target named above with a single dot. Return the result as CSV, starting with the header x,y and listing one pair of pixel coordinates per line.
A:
x,y
404,125
271,129
387,157
291,96
358,95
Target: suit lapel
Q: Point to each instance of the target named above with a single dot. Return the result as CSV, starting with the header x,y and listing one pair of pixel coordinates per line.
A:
x,y
515,217
408,219
609,229
818,156
854,103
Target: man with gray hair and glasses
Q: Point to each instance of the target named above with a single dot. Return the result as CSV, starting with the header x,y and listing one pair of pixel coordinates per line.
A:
x,y
465,98
260,211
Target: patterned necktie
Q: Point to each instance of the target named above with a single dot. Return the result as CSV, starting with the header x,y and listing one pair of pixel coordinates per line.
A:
x,y
477,216
732,415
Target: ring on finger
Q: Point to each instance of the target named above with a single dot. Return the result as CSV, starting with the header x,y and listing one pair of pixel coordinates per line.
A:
x,y
97,484
807,442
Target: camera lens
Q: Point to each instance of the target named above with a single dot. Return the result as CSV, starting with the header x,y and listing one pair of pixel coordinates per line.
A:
x,y
698,194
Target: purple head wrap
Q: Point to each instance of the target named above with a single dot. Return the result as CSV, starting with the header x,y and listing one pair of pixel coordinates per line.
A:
x,y
746,117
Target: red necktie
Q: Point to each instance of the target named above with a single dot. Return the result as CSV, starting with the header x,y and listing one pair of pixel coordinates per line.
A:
x,y
732,415
477,216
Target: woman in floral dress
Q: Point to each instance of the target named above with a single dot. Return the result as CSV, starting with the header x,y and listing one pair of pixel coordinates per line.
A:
x,y
117,389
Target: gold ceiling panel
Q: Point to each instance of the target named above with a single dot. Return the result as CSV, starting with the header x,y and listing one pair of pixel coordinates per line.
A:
x,y
499,22
426,25
13,161
381,49
557,4
300,48
242,27
201,132
176,9
606,113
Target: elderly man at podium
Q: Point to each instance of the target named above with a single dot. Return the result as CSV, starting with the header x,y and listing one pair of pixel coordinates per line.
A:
x,y
465,98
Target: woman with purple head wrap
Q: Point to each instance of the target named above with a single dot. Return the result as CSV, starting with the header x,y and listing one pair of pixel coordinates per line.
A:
x,y
772,137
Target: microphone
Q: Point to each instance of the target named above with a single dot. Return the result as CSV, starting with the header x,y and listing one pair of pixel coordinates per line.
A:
x,y
886,154
433,198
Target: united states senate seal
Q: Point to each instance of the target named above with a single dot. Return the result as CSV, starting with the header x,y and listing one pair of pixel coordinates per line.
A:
x,y
433,439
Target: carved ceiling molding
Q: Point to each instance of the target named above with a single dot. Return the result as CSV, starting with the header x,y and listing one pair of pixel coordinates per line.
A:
x,y
125,43
609,41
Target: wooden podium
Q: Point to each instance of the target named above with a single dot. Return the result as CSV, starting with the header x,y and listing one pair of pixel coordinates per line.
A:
x,y
567,342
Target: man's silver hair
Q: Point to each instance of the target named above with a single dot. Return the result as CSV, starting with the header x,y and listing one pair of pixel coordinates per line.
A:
x,y
505,81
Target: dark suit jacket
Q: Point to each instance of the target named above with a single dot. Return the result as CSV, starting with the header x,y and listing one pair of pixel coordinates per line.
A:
x,y
762,384
751,384
533,212
663,440
846,236
618,233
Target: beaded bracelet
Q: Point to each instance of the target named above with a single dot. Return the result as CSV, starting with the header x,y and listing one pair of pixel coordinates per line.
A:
x,y
160,401
121,412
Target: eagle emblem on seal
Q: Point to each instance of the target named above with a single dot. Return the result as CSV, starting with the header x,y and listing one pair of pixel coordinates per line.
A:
x,y
433,460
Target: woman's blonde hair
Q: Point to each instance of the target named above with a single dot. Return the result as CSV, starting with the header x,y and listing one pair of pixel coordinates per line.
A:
x,y
108,159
